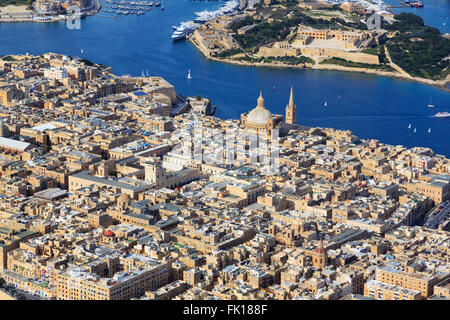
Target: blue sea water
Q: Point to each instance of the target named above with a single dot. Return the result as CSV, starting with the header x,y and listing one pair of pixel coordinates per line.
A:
x,y
435,13
369,105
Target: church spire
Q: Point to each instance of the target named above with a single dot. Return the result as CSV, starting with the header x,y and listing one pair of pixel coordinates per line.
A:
x,y
291,109
291,98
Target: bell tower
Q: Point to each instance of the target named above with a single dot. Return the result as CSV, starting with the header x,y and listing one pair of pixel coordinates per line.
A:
x,y
291,110
154,172
319,256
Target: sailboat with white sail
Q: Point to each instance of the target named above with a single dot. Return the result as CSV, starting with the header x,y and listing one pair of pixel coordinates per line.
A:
x,y
189,74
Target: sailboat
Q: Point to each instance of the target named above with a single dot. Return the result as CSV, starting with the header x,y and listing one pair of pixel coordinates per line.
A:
x,y
82,51
162,6
430,105
429,130
189,74
147,72
274,88
415,129
325,104
409,127
142,74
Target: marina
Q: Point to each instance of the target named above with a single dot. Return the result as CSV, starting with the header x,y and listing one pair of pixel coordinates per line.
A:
x,y
129,7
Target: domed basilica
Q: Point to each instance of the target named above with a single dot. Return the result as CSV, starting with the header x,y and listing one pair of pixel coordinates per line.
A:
x,y
261,121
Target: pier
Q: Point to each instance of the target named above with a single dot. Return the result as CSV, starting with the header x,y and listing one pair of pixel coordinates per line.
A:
x,y
412,4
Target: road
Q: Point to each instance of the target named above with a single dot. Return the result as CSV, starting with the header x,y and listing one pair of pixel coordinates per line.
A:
x,y
437,216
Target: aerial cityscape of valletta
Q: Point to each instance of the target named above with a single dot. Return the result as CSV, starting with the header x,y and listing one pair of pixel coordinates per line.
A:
x,y
236,150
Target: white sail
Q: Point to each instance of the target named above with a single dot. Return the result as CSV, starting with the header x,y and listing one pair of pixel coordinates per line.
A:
x,y
429,130
189,74
415,129
409,127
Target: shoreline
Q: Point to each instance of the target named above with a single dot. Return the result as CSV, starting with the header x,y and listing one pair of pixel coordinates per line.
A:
x,y
440,84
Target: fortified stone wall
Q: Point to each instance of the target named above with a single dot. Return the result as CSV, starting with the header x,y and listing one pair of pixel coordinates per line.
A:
x,y
319,52
278,52
350,56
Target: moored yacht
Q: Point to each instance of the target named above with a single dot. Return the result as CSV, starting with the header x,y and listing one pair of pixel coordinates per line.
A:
x,y
186,28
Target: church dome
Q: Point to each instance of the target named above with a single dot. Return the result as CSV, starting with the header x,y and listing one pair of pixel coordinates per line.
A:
x,y
108,233
123,199
259,115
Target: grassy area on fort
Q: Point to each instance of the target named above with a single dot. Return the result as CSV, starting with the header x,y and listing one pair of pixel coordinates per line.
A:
x,y
351,64
8,58
373,51
290,60
418,49
4,3
227,53
278,29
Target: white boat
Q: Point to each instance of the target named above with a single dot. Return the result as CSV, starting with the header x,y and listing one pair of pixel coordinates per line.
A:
x,y
430,105
186,28
442,115
189,74
147,72
429,130
415,129
409,127
325,104
82,51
